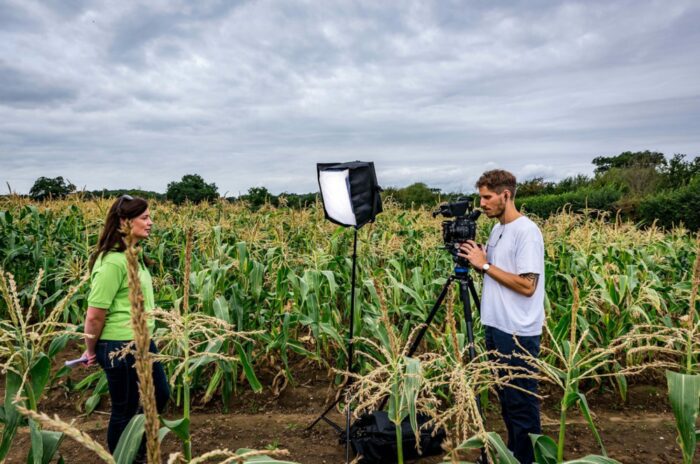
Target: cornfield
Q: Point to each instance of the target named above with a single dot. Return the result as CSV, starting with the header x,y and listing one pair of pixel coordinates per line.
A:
x,y
269,289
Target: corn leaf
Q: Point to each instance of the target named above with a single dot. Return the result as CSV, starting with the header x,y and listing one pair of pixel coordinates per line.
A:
x,y
545,449
50,442
39,376
502,454
583,405
412,384
180,427
12,384
593,459
248,369
684,394
221,310
89,379
100,390
36,453
260,459
130,440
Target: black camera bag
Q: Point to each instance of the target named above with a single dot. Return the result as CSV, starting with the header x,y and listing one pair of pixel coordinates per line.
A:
x,y
374,437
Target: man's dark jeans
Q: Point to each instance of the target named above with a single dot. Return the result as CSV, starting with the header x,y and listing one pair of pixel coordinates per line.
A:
x,y
521,411
124,391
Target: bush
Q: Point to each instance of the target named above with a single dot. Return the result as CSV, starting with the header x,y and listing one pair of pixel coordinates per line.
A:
x,y
673,207
546,205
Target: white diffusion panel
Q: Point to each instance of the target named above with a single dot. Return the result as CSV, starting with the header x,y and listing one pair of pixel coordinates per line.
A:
x,y
335,189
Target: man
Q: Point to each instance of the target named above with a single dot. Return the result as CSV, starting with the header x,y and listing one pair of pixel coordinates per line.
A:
x,y
512,304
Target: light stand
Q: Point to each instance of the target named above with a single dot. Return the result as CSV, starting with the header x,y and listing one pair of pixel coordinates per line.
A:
x,y
350,197
350,367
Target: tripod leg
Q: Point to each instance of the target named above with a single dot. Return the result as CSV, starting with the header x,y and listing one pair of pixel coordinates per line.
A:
x,y
466,305
431,316
475,296
465,288
322,417
424,329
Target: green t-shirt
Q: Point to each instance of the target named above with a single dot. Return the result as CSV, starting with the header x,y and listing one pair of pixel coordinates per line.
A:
x,y
109,290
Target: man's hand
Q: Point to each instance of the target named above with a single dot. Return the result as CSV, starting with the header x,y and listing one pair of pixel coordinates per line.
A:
x,y
473,253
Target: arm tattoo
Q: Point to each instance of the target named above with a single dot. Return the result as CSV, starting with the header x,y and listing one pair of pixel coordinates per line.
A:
x,y
531,276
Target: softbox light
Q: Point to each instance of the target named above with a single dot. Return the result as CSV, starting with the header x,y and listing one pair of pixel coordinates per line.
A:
x,y
350,197
350,192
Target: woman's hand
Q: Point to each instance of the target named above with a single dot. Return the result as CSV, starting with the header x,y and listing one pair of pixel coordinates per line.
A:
x,y
94,323
91,358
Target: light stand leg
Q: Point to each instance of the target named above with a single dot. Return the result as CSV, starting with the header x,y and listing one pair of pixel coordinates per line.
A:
x,y
351,337
350,366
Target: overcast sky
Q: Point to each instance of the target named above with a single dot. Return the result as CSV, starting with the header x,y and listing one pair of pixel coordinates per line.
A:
x,y
137,94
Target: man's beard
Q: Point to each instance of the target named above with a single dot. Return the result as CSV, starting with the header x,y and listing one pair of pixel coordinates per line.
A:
x,y
498,211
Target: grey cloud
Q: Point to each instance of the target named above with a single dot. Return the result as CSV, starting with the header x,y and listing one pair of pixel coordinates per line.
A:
x,y
136,30
66,9
15,17
23,89
144,24
255,93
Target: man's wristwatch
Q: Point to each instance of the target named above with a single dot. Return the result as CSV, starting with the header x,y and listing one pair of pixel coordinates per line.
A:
x,y
485,268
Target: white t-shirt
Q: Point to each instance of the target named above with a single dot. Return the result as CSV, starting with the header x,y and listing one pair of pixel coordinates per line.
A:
x,y
519,250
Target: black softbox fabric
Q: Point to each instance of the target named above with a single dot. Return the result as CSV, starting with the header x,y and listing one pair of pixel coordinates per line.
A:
x,y
374,437
364,189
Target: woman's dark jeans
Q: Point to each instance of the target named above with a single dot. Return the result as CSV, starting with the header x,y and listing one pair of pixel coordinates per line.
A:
x,y
124,391
520,410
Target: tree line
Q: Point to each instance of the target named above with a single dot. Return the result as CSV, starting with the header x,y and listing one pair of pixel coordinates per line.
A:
x,y
641,186
191,188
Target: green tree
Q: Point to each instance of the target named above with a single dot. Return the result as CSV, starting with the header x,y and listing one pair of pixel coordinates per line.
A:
x,y
418,194
673,207
679,172
297,200
534,186
627,159
48,187
105,193
193,188
573,183
258,196
634,181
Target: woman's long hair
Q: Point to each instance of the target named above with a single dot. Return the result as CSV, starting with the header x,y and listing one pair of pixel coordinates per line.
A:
x,y
111,238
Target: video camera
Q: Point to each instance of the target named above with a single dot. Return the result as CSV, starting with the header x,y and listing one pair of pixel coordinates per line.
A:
x,y
461,229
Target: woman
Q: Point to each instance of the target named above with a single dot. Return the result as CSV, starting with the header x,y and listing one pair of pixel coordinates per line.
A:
x,y
108,320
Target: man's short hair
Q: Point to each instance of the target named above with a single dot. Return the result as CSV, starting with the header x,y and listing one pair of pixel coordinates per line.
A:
x,y
497,180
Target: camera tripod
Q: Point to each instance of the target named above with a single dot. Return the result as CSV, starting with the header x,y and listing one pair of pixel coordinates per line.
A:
x,y
467,289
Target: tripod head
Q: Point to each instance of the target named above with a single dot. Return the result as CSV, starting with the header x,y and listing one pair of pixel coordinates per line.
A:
x,y
461,273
